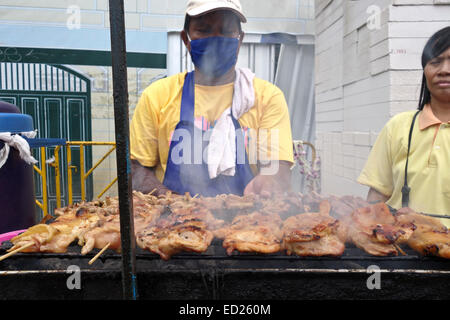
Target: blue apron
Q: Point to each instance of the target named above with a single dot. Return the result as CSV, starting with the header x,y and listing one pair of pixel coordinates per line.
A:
x,y
187,174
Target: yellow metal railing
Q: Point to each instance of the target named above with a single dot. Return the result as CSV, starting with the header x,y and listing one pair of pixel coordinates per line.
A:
x,y
43,173
84,175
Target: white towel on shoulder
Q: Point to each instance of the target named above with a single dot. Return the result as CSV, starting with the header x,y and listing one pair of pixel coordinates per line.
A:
x,y
19,143
221,153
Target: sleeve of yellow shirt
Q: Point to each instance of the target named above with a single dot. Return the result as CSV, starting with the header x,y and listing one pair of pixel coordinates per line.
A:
x,y
144,131
377,172
274,134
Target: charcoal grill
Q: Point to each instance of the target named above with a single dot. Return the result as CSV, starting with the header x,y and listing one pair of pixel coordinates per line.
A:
x,y
214,275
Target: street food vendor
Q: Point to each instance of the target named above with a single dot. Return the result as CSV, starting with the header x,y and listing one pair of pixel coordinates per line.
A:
x,y
215,130
409,164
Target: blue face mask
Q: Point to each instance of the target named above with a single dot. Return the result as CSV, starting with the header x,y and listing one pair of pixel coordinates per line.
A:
x,y
214,56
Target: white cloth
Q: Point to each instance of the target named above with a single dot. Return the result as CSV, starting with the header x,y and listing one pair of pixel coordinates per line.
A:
x,y
19,143
221,153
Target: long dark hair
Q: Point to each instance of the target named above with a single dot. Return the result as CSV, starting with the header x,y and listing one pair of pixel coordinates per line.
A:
x,y
436,45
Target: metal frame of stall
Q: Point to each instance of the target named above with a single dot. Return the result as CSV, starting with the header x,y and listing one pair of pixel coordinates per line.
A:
x,y
120,94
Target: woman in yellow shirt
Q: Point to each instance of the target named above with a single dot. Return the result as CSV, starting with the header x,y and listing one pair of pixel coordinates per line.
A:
x,y
409,163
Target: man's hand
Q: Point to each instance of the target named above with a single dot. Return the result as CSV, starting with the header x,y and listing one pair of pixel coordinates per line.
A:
x,y
145,181
269,184
263,185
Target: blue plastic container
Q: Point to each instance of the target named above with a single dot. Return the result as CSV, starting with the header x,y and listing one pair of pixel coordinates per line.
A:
x,y
15,122
17,201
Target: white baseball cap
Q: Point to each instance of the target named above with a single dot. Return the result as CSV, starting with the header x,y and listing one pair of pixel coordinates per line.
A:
x,y
199,7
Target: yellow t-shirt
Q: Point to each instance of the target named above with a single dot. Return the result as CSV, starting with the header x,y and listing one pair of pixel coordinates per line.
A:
x,y
158,112
429,159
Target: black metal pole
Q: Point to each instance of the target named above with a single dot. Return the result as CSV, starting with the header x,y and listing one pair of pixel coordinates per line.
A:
x,y
120,85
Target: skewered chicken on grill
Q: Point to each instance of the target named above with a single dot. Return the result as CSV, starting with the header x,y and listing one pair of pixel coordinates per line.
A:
x,y
38,234
57,236
93,224
106,231
375,230
169,224
103,232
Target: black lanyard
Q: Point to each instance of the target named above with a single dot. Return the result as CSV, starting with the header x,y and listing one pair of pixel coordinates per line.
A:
x,y
406,189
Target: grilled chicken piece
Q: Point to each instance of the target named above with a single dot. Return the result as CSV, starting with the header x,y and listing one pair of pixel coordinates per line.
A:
x,y
38,234
258,239
313,234
95,224
107,227
105,231
366,243
194,213
191,236
145,213
234,202
375,230
72,225
422,222
430,238
431,243
255,232
69,226
59,243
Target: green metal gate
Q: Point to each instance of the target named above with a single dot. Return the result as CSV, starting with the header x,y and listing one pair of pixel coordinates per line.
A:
x,y
58,99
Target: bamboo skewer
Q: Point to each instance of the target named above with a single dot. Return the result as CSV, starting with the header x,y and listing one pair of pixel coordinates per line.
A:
x,y
399,249
16,250
195,196
99,254
151,192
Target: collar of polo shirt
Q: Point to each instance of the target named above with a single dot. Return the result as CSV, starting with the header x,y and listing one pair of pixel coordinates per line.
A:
x,y
427,118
